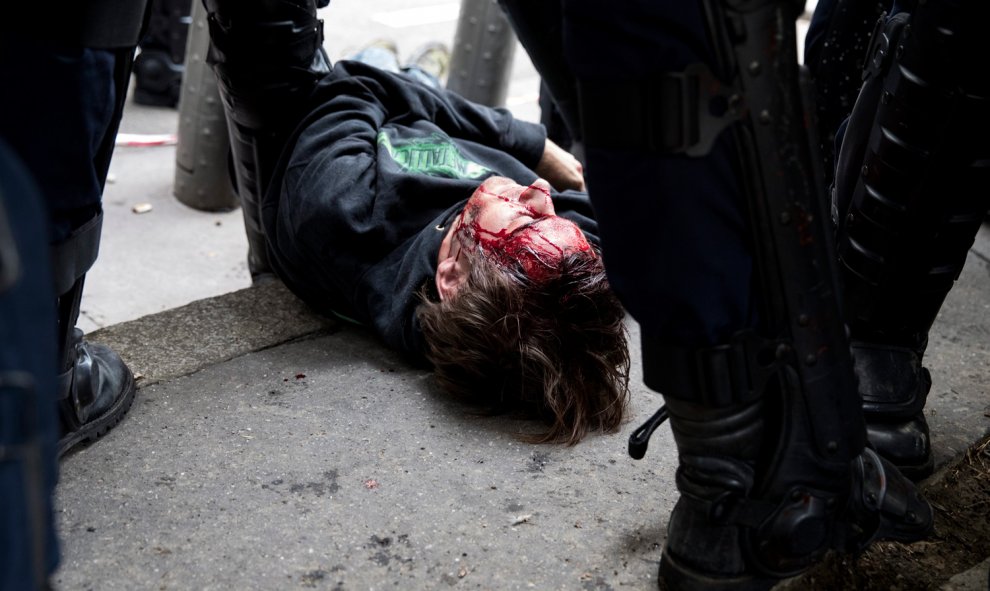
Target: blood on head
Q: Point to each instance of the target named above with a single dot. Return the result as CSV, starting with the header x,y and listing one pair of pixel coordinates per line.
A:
x,y
537,246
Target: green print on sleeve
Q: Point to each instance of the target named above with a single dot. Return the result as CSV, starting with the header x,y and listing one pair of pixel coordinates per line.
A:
x,y
435,156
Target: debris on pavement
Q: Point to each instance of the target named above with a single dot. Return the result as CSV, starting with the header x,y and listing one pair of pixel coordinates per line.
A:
x,y
522,519
145,140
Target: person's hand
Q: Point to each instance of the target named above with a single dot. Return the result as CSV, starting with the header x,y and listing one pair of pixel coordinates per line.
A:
x,y
560,168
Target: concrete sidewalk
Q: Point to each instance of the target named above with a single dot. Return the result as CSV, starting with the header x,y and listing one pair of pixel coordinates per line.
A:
x,y
270,448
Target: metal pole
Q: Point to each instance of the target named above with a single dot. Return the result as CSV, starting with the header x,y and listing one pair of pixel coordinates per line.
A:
x,y
481,60
202,179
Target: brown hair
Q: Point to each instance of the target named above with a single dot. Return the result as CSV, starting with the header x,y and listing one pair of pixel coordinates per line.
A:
x,y
554,349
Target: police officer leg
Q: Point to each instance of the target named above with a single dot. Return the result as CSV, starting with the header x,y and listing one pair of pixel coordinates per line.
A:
x,y
539,28
64,94
768,423
267,55
28,424
95,388
910,194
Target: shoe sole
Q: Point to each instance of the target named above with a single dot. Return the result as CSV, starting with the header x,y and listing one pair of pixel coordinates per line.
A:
x,y
917,472
101,425
676,576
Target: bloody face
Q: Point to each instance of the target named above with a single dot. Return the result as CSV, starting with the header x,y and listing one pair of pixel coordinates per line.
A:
x,y
512,223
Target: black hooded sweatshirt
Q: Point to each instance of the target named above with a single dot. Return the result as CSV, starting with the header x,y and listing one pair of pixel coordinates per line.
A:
x,y
369,183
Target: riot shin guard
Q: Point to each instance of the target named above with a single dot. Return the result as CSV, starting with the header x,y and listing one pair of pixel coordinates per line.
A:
x,y
912,188
835,58
267,55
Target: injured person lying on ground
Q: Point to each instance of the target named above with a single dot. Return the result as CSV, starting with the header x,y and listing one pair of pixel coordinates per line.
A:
x,y
460,235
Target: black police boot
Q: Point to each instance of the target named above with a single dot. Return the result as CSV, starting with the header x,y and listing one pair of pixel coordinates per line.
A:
x,y
95,387
772,473
157,79
894,387
718,450
750,515
267,55
158,69
95,392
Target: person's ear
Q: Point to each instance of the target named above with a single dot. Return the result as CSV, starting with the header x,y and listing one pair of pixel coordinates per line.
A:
x,y
451,274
